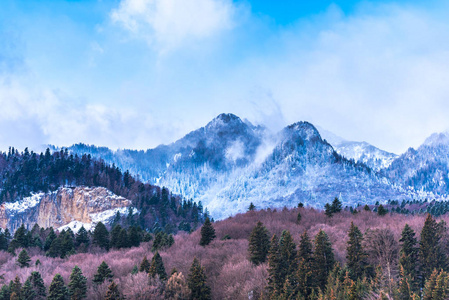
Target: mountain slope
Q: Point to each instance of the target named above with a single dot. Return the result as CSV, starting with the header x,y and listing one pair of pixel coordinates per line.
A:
x,y
229,163
362,152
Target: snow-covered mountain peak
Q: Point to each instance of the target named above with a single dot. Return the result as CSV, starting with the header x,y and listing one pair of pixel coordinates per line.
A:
x,y
225,120
305,130
437,139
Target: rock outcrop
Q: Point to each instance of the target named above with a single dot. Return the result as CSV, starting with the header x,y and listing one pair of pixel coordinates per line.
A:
x,y
65,207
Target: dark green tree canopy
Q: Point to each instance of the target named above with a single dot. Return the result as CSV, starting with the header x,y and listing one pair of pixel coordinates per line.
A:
x,y
207,233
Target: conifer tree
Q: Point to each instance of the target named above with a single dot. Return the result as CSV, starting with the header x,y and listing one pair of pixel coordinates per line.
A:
x,y
409,256
323,258
437,286
57,290
298,218
115,232
113,292
381,210
366,208
430,254
288,256
103,273
134,236
77,284
197,282
82,237
207,233
259,244
157,267
144,265
123,241
5,293
67,245
275,280
306,282
355,254
336,205
328,210
55,248
38,285
101,236
251,207
27,291
404,290
49,240
16,287
23,260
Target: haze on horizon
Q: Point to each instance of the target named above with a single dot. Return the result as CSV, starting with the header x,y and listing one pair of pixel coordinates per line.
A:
x,y
137,73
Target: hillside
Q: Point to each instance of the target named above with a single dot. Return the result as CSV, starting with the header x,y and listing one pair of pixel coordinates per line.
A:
x,y
229,272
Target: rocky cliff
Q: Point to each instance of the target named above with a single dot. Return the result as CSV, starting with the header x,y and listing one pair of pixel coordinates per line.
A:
x,y
65,207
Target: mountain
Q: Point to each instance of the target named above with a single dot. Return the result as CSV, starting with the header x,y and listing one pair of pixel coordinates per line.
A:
x,y
425,169
229,163
362,152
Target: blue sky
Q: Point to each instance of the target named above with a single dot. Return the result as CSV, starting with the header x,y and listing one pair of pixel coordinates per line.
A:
x,y
137,73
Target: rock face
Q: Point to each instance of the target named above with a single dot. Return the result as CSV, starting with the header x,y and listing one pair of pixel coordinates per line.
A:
x,y
66,207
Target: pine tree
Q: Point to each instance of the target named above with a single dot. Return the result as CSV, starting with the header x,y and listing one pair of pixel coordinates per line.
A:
x,y
57,290
251,207
144,265
259,244
67,246
5,293
409,256
207,233
366,208
115,232
16,287
77,284
355,254
134,236
38,285
275,282
336,205
197,282
49,240
113,292
157,267
404,290
103,273
82,237
55,248
288,256
101,236
328,210
123,241
323,258
306,282
430,253
27,291
381,210
437,286
23,259
298,218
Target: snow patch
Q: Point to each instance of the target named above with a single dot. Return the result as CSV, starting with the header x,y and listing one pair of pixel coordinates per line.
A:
x,y
235,151
24,204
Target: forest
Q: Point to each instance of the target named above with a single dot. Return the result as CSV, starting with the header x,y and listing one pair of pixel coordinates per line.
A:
x,y
22,173
299,253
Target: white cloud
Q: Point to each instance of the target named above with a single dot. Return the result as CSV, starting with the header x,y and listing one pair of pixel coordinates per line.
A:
x,y
167,24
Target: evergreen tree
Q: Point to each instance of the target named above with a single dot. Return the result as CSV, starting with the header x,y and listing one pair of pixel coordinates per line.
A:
x,y
115,232
405,289
82,237
366,208
207,233
50,238
381,210
275,280
77,284
259,244
21,236
103,273
355,254
437,286
101,236
336,205
145,265
23,259
15,287
328,210
113,292
251,207
306,281
5,293
298,218
38,285
27,291
57,290
197,282
323,258
430,253
288,256
157,267
134,236
123,241
409,256
55,249
3,241
67,245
